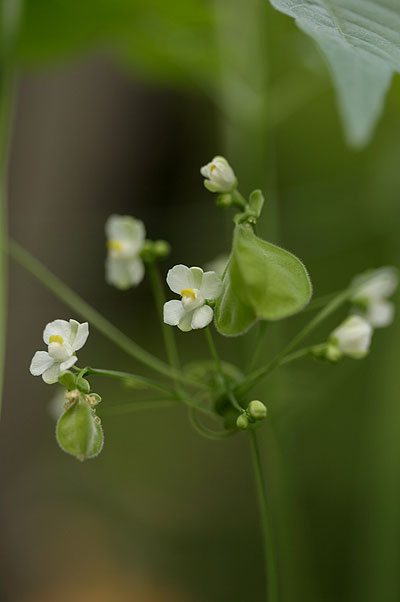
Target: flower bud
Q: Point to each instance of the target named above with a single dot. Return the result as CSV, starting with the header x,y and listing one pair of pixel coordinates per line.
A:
x,y
257,410
352,337
161,248
219,175
224,200
242,422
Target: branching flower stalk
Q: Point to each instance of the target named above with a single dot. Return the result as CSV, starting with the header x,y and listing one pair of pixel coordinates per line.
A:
x,y
260,283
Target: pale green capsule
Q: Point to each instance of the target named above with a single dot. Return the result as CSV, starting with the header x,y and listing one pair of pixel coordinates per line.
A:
x,y
79,431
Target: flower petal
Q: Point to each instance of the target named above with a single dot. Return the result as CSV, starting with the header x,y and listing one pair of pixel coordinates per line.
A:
x,y
196,277
81,336
173,312
202,317
178,278
68,363
380,314
211,286
41,361
124,273
126,227
185,324
51,375
60,327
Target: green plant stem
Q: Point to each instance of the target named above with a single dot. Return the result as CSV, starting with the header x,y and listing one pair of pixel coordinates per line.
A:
x,y
75,302
134,378
167,331
218,364
10,11
253,378
136,406
266,523
205,431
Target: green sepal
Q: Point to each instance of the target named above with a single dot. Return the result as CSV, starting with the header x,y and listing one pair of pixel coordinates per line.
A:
x,y
256,203
67,380
263,282
82,384
96,396
79,432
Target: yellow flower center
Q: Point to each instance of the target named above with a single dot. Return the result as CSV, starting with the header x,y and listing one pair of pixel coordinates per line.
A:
x,y
114,245
56,338
188,292
213,167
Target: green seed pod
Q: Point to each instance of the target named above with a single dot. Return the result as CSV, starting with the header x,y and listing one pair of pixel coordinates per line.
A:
x,y
242,422
257,410
78,431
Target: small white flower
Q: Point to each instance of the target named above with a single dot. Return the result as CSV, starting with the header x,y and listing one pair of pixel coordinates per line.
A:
x,y
219,175
195,287
352,337
373,295
125,240
63,339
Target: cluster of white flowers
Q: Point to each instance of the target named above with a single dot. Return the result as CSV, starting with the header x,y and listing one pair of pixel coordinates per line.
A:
x,y
63,339
373,310
125,239
196,288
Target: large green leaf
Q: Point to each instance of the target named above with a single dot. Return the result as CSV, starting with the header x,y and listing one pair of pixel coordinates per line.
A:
x,y
263,282
361,41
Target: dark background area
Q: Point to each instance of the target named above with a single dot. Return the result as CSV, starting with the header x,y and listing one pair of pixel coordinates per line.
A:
x,y
162,514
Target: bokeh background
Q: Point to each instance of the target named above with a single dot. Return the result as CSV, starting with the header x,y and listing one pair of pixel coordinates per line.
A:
x,y
118,105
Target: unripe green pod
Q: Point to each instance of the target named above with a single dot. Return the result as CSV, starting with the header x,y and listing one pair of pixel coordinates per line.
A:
x,y
78,431
257,410
242,422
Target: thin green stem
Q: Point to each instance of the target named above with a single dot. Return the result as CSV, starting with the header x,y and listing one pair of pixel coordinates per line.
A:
x,y
205,431
218,364
167,331
133,378
82,308
253,378
10,12
266,523
136,406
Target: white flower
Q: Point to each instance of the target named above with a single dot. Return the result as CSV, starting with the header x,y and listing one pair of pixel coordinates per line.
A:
x,y
195,287
219,175
125,240
63,339
372,295
352,337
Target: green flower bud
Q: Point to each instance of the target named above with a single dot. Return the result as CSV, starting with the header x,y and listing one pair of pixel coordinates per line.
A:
x,y
242,422
78,430
224,200
161,249
257,410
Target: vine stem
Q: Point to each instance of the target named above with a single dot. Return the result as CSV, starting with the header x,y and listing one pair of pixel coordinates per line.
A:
x,y
271,576
81,307
167,331
10,15
218,364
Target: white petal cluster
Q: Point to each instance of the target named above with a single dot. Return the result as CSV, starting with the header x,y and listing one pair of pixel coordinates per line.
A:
x,y
63,339
125,240
219,175
372,295
195,287
352,337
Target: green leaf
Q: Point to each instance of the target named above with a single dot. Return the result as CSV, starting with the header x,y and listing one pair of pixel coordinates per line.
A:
x,y
361,42
82,384
79,432
263,282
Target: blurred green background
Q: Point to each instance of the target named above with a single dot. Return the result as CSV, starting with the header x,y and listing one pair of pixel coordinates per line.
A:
x,y
118,105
